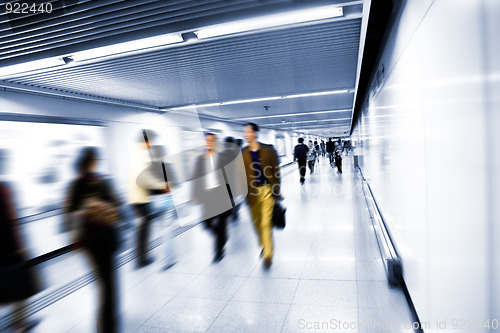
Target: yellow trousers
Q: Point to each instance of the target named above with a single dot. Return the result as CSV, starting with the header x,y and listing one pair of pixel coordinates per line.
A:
x,y
262,212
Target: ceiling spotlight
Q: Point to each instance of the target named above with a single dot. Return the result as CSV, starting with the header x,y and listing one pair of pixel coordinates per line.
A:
x,y
189,36
68,59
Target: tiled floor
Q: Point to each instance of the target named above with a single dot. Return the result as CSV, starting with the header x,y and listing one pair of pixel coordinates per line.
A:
x,y
327,274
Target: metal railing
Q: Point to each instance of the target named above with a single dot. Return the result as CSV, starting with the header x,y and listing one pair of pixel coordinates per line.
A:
x,y
392,262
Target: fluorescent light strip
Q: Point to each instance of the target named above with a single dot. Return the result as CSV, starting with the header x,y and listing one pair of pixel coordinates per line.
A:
x,y
294,114
31,66
132,46
305,121
256,23
135,45
253,100
324,128
321,93
270,21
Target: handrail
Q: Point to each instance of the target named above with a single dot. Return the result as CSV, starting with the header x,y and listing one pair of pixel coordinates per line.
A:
x,y
44,299
392,262
68,248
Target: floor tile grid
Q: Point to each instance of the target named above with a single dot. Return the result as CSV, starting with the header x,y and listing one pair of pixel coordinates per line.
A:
x,y
245,230
233,244
288,175
322,171
139,326
300,279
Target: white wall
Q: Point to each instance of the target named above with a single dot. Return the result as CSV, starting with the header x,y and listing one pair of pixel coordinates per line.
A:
x,y
430,144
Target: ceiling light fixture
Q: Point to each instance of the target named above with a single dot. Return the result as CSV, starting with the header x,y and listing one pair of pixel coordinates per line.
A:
x,y
308,121
320,93
270,21
294,114
189,36
256,23
253,100
68,60
135,45
31,66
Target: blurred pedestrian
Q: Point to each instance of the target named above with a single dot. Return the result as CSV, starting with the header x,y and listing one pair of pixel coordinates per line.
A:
x,y
18,280
300,156
330,148
140,190
311,156
318,151
94,206
264,187
347,146
210,189
230,152
162,199
238,200
339,148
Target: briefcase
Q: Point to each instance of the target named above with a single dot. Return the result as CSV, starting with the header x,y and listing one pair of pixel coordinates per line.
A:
x,y
279,211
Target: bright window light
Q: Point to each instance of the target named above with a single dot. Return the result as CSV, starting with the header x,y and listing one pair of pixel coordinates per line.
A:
x,y
269,21
135,45
31,66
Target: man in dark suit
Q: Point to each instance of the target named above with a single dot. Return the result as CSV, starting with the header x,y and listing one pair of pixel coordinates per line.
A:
x,y
264,187
300,155
210,189
330,148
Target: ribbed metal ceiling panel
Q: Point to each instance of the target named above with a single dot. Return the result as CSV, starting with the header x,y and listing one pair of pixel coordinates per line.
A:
x,y
84,21
300,59
76,25
272,63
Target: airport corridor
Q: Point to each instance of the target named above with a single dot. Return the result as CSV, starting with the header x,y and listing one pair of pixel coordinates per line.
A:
x,y
327,274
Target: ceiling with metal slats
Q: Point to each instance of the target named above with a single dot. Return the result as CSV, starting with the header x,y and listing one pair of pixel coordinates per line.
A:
x,y
315,57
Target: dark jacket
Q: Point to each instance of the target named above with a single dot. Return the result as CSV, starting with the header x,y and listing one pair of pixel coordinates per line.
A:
x,y
91,184
300,152
330,146
11,242
16,285
101,238
214,200
270,167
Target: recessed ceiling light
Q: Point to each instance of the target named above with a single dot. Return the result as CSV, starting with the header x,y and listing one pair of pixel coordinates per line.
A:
x,y
270,21
294,114
253,100
135,45
32,66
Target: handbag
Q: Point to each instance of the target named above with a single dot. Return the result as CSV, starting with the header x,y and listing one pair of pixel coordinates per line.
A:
x,y
18,282
99,212
278,218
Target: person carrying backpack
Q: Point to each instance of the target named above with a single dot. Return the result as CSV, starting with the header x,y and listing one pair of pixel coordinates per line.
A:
x,y
94,207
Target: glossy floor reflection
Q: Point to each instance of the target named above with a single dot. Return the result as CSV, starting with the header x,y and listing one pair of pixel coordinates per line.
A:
x,y
327,274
